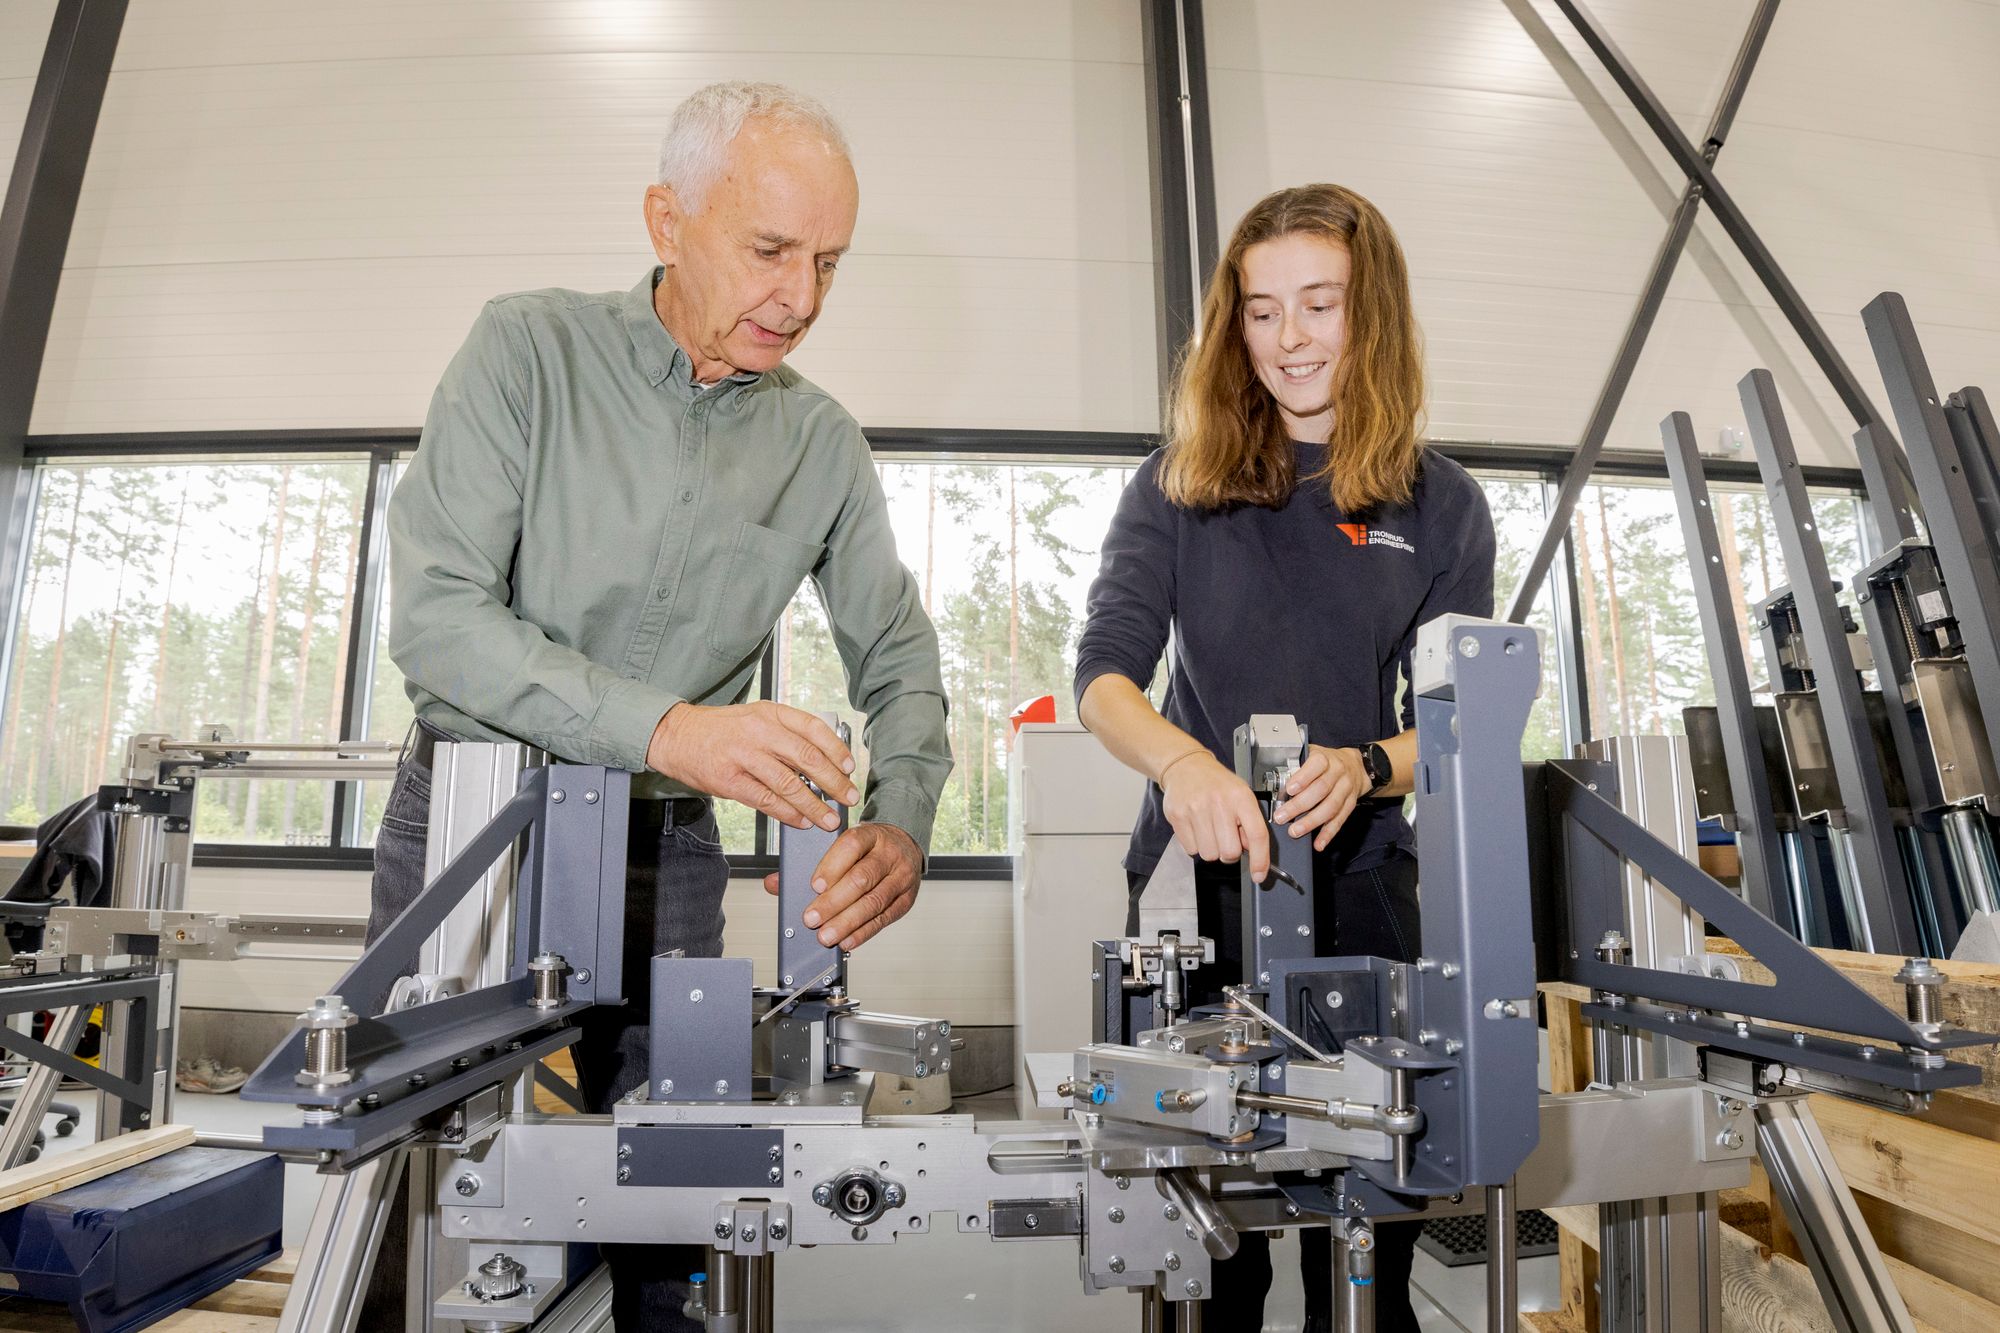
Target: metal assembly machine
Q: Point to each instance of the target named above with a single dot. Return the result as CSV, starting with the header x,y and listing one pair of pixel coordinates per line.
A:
x,y
1324,1091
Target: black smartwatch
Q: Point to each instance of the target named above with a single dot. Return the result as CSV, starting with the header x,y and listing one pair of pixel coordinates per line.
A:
x,y
1375,763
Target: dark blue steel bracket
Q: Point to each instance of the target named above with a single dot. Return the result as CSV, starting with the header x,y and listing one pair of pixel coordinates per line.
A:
x,y
1808,991
1474,682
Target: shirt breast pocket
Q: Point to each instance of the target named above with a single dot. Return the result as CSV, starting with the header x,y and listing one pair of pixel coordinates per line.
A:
x,y
764,569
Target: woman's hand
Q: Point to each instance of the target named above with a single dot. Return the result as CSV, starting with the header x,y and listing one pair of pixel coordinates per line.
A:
x,y
1214,814
1322,794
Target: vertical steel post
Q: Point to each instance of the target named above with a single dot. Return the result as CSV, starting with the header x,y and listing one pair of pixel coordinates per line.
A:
x,y
1869,839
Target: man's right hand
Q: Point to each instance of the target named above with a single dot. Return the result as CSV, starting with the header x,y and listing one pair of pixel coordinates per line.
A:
x,y
1214,814
760,754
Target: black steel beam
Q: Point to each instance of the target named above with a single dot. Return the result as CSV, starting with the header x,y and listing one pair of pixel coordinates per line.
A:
x,y
1612,394
1881,886
1890,517
34,236
1764,878
1755,253
1179,150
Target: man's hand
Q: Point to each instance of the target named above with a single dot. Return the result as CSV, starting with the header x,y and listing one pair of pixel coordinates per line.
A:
x,y
1214,814
756,753
1322,794
867,880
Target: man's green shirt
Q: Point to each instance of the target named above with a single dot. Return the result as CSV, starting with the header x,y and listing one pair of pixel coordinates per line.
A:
x,y
587,537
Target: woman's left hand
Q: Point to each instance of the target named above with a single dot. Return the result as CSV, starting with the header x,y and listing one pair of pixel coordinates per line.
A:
x,y
1322,794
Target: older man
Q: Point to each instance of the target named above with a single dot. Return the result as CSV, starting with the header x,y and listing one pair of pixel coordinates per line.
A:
x,y
615,498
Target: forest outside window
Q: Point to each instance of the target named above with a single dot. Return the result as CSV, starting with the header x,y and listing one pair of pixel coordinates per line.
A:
x,y
165,596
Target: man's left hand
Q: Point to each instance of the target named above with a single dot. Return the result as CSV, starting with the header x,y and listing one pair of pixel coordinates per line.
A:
x,y
867,880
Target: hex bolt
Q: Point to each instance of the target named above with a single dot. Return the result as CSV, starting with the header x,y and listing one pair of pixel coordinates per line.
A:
x,y
1122,1182
468,1185
1731,1138
1173,1262
722,1231
774,1152
326,1025
547,971
823,1195
775,1175
1448,970
1922,983
1115,1263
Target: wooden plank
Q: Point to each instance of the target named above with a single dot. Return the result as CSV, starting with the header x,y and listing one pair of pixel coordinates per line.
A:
x,y
42,1317
1936,1303
561,1065
1934,1248
246,1296
1552,1321
51,1175
1570,1070
1927,1169
281,1269
1767,1293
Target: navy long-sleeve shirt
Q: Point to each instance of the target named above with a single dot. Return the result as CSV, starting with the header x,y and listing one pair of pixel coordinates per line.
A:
x,y
1296,610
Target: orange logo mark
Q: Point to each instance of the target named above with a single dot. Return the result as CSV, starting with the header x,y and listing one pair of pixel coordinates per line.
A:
x,y
1357,533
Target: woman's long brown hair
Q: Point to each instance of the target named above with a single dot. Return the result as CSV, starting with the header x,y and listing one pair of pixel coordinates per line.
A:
x,y
1227,443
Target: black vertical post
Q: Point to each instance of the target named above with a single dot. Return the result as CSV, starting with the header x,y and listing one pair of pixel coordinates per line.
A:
x,y
1764,877
1881,887
358,693
1887,504
34,236
1650,297
1183,173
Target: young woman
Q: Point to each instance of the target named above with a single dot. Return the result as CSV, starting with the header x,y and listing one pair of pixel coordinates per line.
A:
x,y
1291,536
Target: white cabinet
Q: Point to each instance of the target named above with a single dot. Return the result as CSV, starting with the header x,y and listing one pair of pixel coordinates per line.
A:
x,y
1071,812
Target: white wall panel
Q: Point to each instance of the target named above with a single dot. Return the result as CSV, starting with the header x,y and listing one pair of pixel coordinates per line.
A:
x,y
24,32
1531,199
1002,161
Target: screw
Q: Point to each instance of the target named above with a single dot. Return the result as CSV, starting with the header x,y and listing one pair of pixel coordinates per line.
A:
x,y
722,1087
1798,1039
582,975
590,798
774,1152
789,932
624,1174
1448,970
1173,1262
1305,931
1193,1288
778,1229
1730,1138
1122,1182
747,1234
823,1195
1742,1028
666,1087
694,996
557,797
774,1175
1115,1263
1031,1222
1171,1213
624,1151
1265,931
1468,646
722,1231
893,1194
468,1184
1264,978
1291,1210
1115,1214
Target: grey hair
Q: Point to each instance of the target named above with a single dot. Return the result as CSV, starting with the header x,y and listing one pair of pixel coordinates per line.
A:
x,y
696,144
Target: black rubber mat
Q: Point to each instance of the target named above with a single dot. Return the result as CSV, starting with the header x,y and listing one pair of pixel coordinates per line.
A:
x,y
1457,1241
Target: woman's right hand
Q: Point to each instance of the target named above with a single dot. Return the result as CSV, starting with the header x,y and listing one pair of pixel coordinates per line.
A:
x,y
1214,814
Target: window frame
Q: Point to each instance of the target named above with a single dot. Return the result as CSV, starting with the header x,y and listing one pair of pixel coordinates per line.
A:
x,y
384,449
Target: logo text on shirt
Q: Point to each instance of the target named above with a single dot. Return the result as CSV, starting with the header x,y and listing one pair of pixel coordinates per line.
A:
x,y
1361,534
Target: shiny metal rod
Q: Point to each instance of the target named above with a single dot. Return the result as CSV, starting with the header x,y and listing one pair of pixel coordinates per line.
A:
x,y
1971,850
763,1275
1354,1277
1503,1277
1216,1234
727,1279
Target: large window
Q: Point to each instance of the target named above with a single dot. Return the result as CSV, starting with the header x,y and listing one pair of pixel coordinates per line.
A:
x,y
170,596
173,594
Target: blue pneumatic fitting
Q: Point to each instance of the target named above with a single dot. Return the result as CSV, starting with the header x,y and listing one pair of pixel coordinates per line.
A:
x,y
1362,1281
697,1279
1098,1093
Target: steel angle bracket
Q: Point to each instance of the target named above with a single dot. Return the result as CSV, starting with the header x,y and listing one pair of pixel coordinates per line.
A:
x,y
1809,991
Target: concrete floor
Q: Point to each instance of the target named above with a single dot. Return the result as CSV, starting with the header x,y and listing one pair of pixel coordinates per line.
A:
x,y
941,1280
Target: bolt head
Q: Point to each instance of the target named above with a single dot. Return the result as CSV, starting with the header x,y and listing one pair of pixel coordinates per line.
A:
x,y
1115,1214
722,1231
1173,1262
1193,1289
557,797
1468,646
1265,931
624,1174
893,1194
1122,1182
823,1195
1171,1213
1305,931
747,1235
666,1087
694,996
590,798
774,1152
722,1087
1115,1263
468,1184
582,975
1031,1222
778,1229
774,1175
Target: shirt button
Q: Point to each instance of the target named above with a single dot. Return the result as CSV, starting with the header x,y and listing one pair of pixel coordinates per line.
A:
x,y
661,592
687,497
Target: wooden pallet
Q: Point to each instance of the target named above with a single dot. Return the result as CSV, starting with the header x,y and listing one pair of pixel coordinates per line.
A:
x,y
250,1304
1924,1183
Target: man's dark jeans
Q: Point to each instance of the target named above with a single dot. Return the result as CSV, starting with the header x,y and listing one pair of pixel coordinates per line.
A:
x,y
675,877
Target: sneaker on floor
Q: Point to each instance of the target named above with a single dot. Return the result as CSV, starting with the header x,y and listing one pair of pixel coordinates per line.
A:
x,y
206,1074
